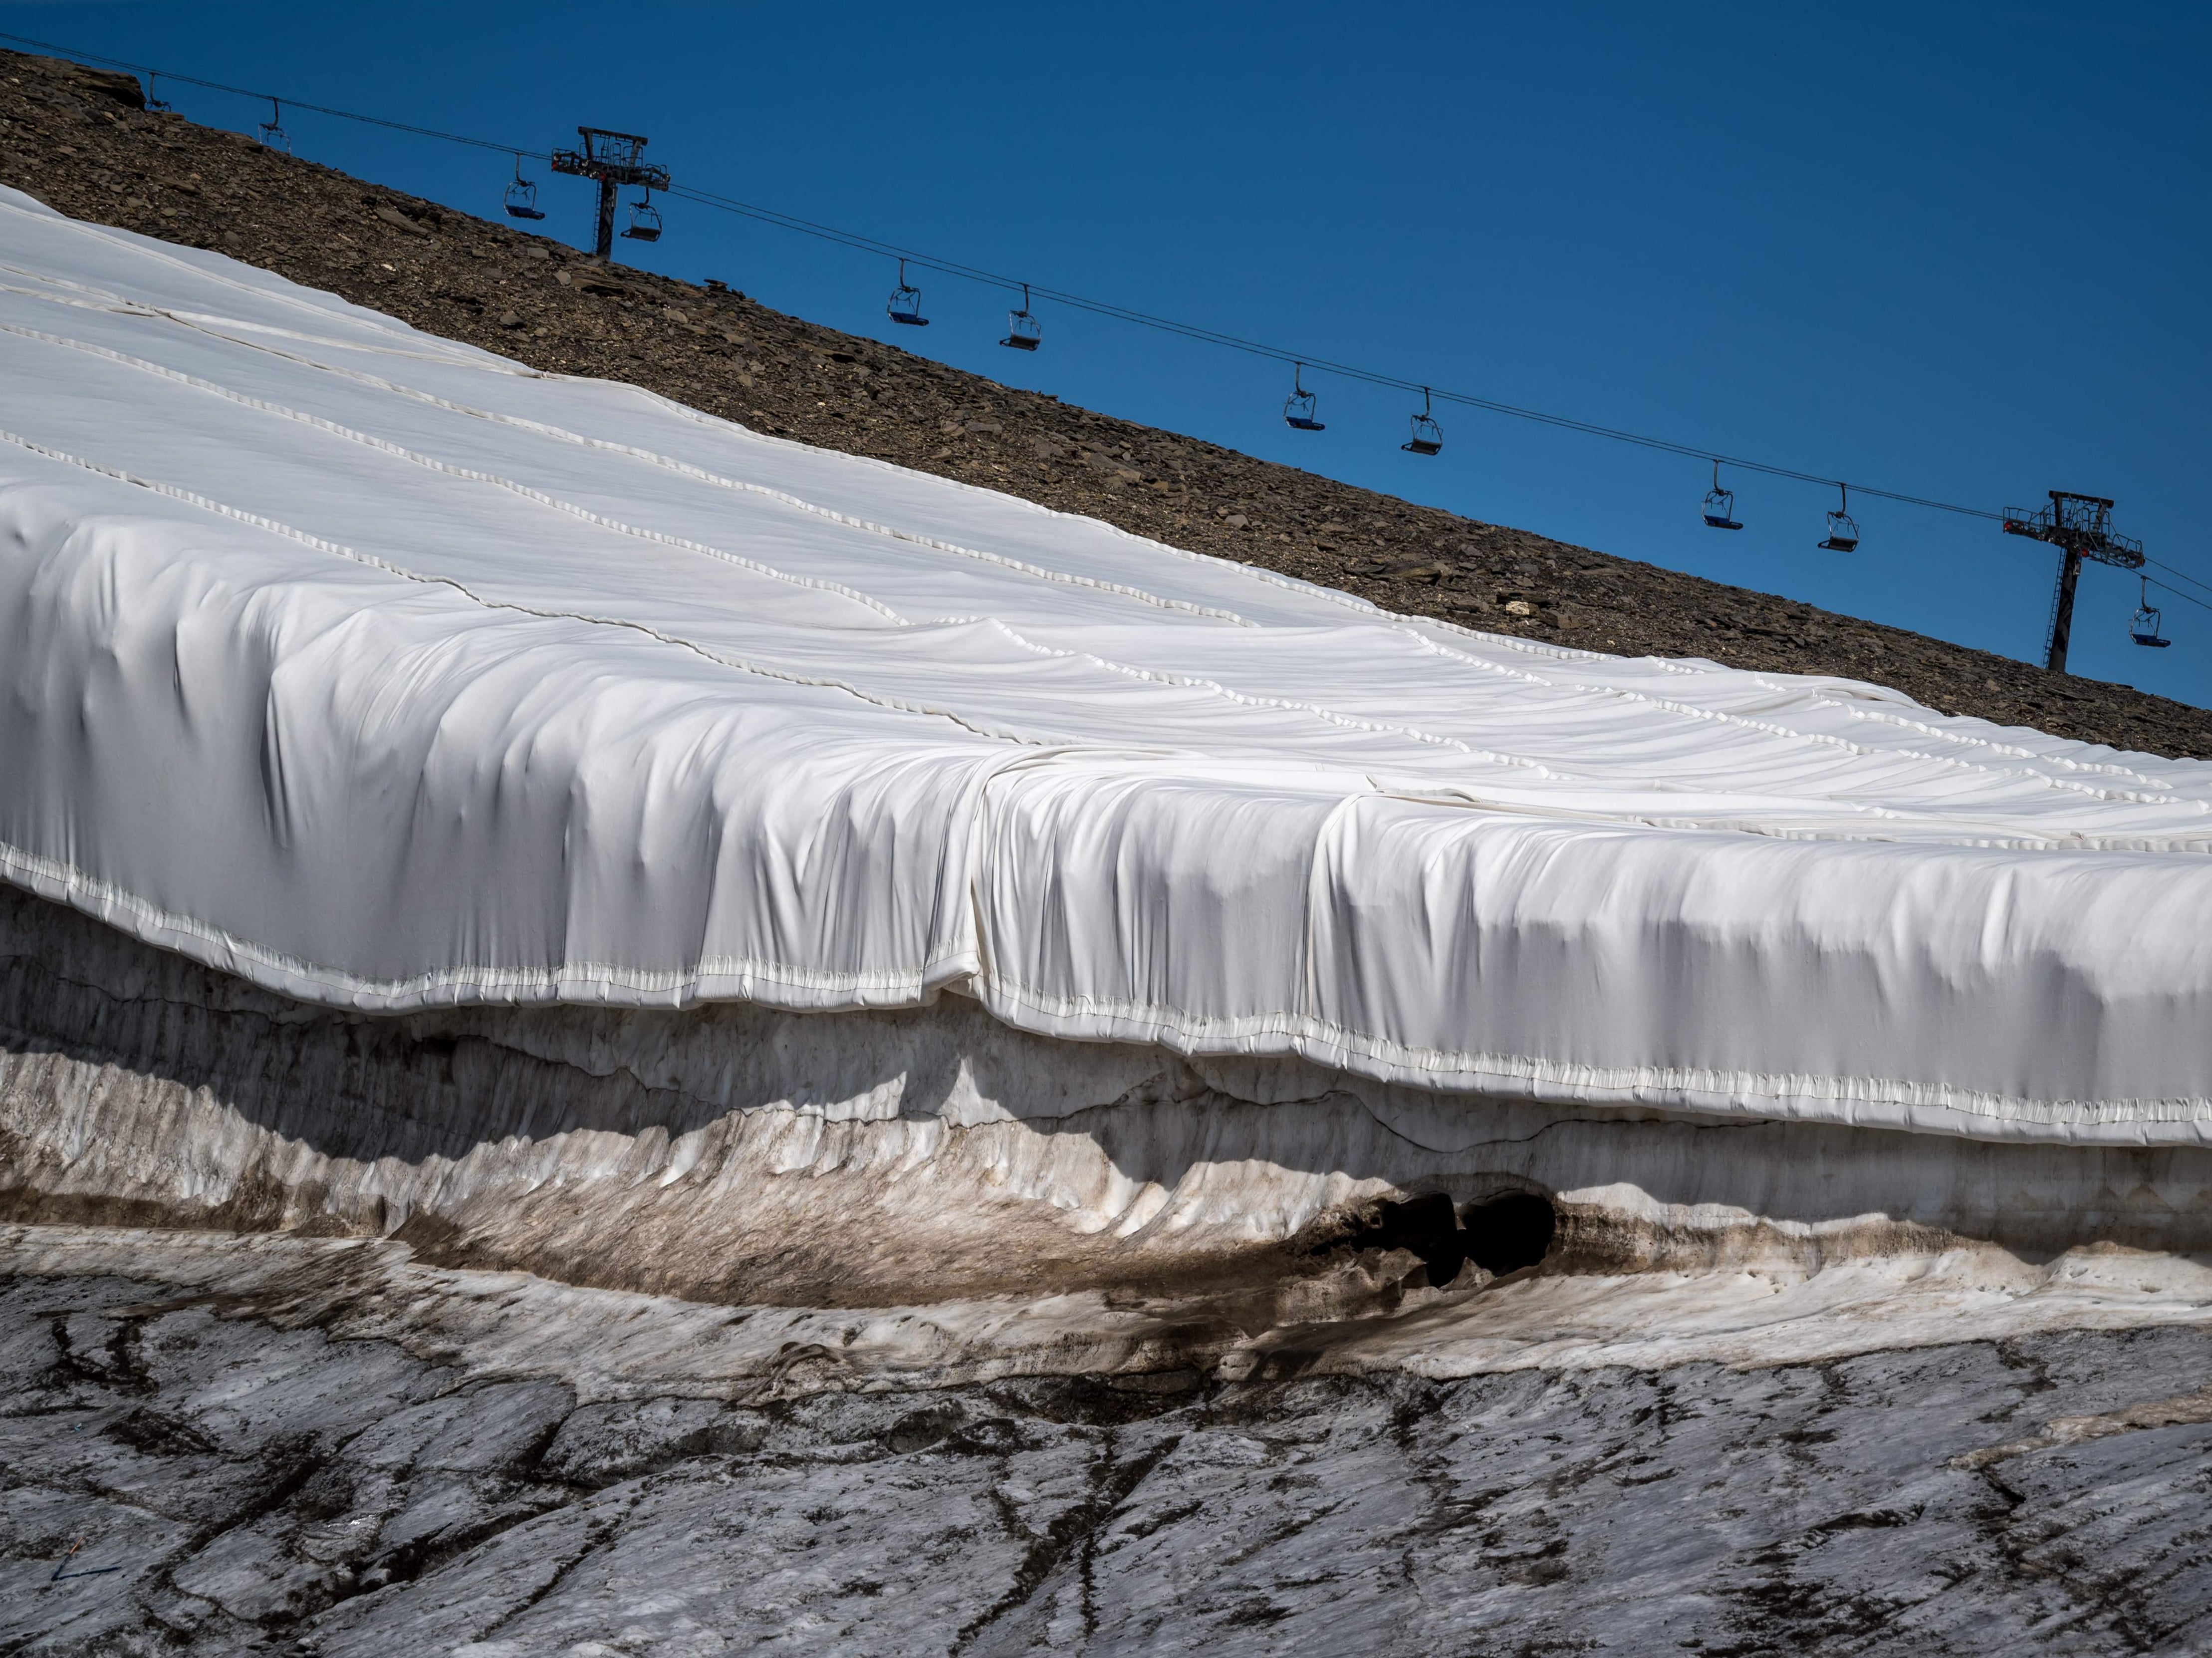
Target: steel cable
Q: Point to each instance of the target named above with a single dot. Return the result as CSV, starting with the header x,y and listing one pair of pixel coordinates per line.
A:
x,y
1114,311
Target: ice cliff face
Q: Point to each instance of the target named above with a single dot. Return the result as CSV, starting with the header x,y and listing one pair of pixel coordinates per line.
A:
x,y
738,1153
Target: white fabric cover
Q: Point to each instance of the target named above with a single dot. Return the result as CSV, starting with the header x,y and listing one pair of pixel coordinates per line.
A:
x,y
385,673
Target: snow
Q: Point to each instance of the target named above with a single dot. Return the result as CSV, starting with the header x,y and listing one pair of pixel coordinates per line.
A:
x,y
389,675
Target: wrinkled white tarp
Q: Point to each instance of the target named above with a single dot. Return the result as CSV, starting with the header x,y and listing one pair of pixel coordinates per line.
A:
x,y
387,673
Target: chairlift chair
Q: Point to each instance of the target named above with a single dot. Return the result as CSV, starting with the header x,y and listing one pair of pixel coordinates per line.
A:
x,y
1720,504
271,131
155,104
1023,332
1299,406
521,198
2144,629
905,302
644,220
1842,530
1428,438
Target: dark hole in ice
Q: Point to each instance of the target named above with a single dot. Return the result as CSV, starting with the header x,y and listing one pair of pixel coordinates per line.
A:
x,y
1500,1236
1509,1233
1427,1225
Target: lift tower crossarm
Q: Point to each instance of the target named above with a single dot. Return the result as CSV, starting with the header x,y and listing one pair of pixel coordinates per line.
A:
x,y
2080,527
614,159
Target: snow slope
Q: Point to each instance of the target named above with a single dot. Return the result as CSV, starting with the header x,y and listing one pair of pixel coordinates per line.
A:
x,y
389,674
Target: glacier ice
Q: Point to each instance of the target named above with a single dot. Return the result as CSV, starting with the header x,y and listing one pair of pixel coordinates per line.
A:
x,y
389,675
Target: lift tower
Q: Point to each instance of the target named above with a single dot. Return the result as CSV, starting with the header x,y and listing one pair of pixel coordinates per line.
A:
x,y
614,159
2080,527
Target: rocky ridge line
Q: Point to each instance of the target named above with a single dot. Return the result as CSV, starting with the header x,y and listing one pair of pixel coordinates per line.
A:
x,y
81,140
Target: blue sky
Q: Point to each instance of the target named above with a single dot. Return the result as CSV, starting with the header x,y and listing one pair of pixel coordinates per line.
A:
x,y
1957,251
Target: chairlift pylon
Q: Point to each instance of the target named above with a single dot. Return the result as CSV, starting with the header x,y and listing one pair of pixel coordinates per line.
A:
x,y
1023,332
272,132
1299,406
905,303
1843,531
1720,504
2144,629
521,196
1428,438
644,220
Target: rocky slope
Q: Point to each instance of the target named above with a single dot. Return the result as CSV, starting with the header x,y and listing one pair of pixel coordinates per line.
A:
x,y
79,139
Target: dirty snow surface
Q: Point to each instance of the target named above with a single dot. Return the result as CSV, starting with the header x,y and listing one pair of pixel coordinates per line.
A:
x,y
248,1487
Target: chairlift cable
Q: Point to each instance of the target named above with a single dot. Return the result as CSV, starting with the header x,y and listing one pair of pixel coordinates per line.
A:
x,y
248,92
2185,598
1256,348
1103,307
2181,573
1077,302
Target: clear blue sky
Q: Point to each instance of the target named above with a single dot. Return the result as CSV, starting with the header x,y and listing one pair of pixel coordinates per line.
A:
x,y
1958,251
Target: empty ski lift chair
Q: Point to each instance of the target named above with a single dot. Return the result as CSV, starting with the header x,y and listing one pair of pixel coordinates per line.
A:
x,y
1720,504
1299,406
155,104
1843,531
1023,332
2144,630
1428,438
644,220
272,131
905,302
521,196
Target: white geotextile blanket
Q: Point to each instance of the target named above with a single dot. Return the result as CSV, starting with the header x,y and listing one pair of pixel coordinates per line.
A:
x,y
387,674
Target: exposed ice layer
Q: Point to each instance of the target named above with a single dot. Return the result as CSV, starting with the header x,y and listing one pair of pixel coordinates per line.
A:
x,y
922,1156
389,674
269,1445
